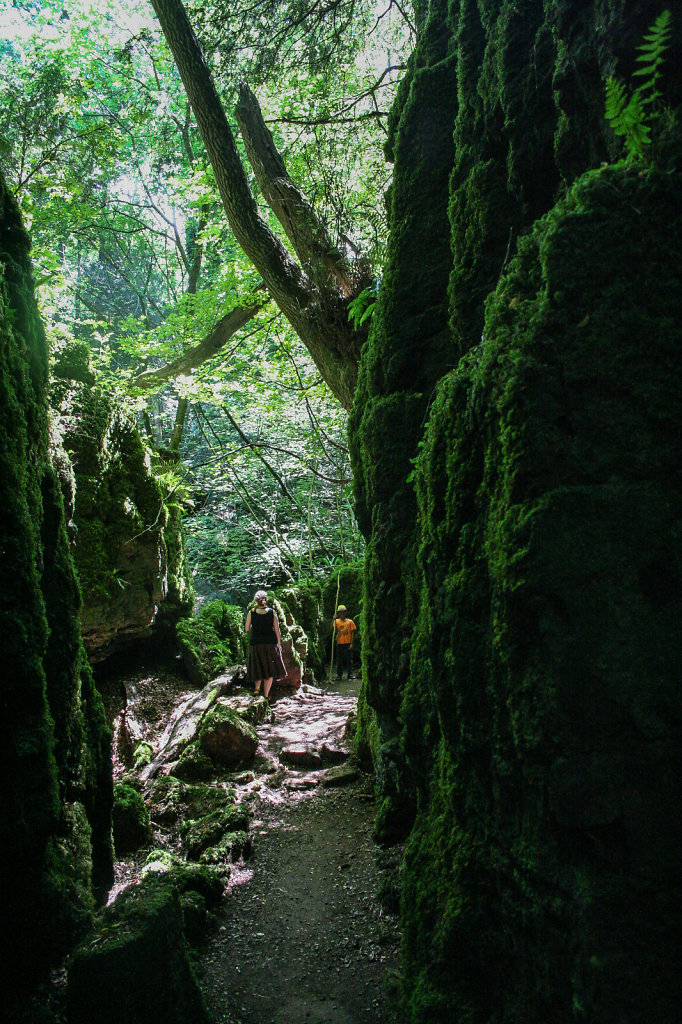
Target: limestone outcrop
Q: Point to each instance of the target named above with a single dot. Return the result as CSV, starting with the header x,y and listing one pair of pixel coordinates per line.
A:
x,y
523,573
126,541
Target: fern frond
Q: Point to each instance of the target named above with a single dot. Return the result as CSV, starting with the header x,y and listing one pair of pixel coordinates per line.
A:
x,y
632,117
615,102
656,42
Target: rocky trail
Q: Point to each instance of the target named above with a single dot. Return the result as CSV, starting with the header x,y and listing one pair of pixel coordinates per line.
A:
x,y
303,936
306,932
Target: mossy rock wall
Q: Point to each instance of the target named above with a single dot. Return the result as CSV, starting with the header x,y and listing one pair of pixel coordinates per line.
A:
x,y
311,606
127,544
56,772
212,640
548,650
522,594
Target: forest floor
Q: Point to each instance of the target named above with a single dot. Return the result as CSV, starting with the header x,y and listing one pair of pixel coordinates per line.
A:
x,y
302,936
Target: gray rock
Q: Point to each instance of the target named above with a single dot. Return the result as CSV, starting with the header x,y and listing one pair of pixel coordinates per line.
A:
x,y
342,775
306,757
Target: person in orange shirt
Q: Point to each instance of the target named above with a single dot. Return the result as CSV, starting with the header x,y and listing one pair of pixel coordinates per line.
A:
x,y
345,628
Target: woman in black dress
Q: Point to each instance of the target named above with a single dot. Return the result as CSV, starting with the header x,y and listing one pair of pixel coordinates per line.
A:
x,y
265,650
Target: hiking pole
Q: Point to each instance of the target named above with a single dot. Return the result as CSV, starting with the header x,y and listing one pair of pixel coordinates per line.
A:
x,y
336,605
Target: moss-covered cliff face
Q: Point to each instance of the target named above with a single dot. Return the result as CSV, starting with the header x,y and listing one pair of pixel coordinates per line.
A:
x,y
547,652
410,349
56,773
127,544
522,591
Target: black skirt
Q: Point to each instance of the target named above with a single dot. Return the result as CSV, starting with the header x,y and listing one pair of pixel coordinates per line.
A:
x,y
264,662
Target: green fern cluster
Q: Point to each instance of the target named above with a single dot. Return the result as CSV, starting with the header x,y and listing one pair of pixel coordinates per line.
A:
x,y
633,116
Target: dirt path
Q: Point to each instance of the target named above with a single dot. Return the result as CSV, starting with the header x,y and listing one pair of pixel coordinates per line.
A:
x,y
303,938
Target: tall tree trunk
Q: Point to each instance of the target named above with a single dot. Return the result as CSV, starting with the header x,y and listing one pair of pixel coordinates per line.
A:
x,y
179,426
319,316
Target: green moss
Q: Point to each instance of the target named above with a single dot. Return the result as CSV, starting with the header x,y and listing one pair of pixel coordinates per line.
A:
x,y
231,847
185,877
193,764
171,798
544,658
142,754
201,833
180,596
71,360
211,641
129,545
54,738
135,966
484,682
130,820
366,740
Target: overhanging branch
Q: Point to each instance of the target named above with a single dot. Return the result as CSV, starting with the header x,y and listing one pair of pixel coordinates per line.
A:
x,y
212,343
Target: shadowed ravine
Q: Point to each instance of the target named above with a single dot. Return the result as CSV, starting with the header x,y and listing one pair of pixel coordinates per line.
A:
x,y
301,934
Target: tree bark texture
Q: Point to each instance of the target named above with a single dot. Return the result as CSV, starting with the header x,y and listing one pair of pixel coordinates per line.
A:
x,y
306,232
225,329
319,316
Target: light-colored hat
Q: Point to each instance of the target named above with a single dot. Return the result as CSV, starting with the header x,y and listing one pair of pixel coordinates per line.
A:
x,y
342,608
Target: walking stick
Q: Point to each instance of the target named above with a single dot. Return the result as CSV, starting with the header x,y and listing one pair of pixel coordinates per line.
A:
x,y
336,605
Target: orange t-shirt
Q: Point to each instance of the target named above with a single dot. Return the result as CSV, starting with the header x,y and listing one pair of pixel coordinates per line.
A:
x,y
344,631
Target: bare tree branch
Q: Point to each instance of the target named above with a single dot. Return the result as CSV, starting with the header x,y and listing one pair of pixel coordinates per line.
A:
x,y
212,343
306,232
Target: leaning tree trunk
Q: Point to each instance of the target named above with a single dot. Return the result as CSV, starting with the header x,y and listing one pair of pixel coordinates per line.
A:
x,y
317,313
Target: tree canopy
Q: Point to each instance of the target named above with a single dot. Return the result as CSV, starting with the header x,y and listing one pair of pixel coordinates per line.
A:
x,y
134,253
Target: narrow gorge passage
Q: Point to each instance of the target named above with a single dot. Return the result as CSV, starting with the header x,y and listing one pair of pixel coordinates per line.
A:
x,y
303,936
307,930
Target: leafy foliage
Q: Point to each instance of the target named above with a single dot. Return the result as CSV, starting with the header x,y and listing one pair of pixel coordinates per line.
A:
x,y
632,116
362,306
134,258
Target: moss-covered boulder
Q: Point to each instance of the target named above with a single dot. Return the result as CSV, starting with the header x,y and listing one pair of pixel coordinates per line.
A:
x,y
55,780
185,876
211,641
199,887
172,799
226,737
130,820
135,966
194,764
127,544
201,833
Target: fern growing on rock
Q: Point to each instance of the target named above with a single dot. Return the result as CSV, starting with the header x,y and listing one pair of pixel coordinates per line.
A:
x,y
632,116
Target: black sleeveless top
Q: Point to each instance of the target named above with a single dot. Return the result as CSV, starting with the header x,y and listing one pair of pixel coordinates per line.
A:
x,y
263,628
